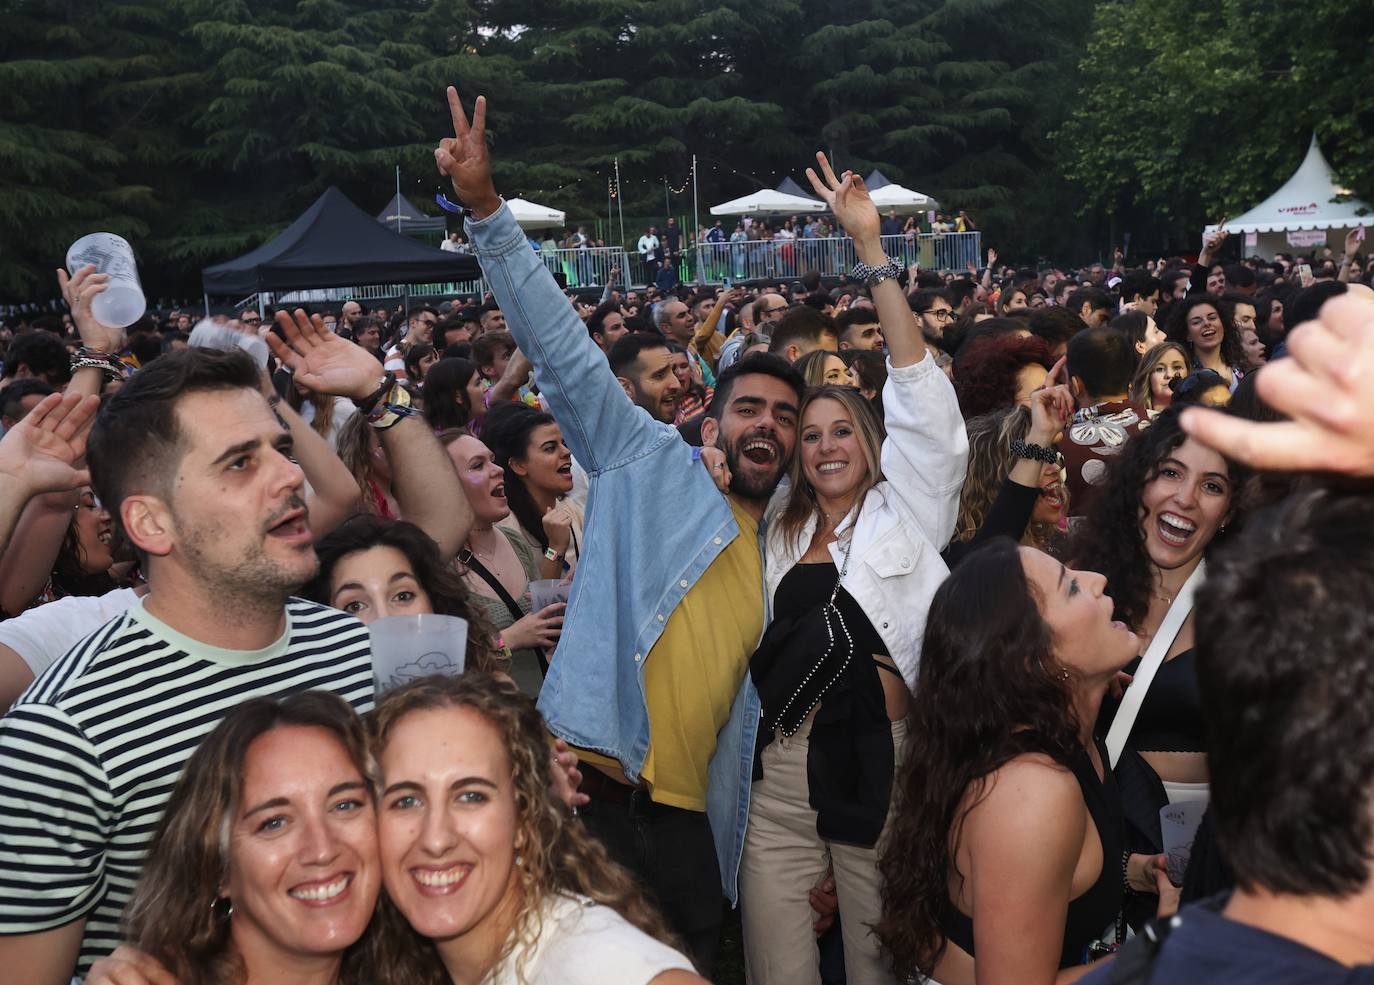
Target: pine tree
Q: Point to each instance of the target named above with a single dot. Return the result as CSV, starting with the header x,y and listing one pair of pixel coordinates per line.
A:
x,y
82,133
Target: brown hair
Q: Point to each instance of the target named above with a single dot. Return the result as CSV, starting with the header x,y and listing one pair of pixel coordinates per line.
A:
x,y
1140,383
172,915
322,402
990,461
558,855
801,498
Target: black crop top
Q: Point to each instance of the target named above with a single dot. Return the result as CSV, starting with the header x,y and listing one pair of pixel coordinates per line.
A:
x,y
1094,911
1170,717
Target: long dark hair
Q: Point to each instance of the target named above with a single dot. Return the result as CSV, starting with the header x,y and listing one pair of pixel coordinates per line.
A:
x,y
988,691
1110,539
446,393
1176,330
447,593
507,432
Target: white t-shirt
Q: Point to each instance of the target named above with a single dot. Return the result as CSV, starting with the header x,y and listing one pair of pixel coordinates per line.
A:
x,y
583,943
42,634
343,410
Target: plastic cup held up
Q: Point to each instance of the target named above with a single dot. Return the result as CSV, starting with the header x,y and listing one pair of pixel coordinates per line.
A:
x,y
122,302
405,648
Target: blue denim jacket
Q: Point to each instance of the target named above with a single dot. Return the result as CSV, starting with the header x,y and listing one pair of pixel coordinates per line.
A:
x,y
655,521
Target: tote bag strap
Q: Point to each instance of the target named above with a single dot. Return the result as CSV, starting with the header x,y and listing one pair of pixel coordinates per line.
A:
x,y
1150,663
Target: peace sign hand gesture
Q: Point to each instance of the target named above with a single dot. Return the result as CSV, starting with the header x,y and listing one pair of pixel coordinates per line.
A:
x,y
463,157
848,199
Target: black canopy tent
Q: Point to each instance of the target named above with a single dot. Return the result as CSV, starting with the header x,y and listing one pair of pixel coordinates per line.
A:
x,y
336,244
401,215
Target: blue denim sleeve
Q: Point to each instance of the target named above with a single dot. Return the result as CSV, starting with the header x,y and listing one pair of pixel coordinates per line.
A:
x,y
600,424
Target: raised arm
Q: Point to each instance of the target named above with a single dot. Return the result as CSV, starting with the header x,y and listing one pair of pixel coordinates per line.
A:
x,y
600,424
39,459
334,494
925,454
424,481
849,201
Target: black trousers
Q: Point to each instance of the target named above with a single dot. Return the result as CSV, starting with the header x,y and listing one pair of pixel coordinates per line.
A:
x,y
672,853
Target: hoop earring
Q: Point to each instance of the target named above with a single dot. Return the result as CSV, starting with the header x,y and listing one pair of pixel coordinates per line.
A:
x,y
221,913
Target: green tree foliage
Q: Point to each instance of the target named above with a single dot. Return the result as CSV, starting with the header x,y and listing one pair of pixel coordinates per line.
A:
x,y
1188,111
84,98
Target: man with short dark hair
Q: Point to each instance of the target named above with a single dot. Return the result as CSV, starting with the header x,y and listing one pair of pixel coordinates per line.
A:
x,y
643,367
1100,363
491,318
1174,285
803,329
197,473
1140,292
961,293
1288,689
1092,305
20,397
859,329
37,354
607,326
934,313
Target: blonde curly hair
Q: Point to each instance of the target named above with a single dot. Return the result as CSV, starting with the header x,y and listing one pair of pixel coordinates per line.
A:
x,y
557,854
990,461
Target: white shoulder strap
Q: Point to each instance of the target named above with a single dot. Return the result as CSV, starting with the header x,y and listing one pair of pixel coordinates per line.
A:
x,y
1150,664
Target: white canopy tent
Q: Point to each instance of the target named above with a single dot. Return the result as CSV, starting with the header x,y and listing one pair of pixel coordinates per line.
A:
x,y
1300,214
889,196
768,202
531,215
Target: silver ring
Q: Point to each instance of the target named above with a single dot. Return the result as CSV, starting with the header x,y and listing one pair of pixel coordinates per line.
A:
x,y
718,466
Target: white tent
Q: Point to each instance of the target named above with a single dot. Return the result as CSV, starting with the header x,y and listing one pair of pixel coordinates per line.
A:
x,y
768,202
530,215
891,197
1300,213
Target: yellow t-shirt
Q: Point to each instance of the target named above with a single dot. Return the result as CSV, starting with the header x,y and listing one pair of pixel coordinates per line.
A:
x,y
694,671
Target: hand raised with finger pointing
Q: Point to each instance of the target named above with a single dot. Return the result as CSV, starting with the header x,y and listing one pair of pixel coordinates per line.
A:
x,y
463,157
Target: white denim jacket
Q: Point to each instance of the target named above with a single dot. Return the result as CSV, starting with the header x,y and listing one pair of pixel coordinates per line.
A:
x,y
905,520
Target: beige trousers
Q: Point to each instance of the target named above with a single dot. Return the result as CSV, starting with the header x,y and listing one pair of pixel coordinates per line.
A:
x,y
783,859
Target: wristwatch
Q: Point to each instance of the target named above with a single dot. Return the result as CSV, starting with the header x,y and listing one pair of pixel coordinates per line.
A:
x,y
873,276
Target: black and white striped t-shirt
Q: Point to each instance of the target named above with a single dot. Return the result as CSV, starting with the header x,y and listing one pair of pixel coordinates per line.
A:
x,y
90,753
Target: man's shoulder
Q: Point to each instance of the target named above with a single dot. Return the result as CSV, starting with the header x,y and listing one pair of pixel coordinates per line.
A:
x,y
311,620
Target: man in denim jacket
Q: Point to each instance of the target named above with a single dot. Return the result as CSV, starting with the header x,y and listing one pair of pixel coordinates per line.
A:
x,y
649,681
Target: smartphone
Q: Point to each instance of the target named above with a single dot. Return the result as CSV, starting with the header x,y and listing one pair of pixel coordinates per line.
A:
x,y
1359,234
1304,273
727,283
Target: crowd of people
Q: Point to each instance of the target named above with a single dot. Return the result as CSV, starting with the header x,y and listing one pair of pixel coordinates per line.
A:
x,y
903,613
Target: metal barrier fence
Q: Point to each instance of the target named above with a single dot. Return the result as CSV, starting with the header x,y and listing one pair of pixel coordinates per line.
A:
x,y
707,263
783,259
590,267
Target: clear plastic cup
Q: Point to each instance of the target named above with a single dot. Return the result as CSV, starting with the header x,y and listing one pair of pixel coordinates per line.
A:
x,y
1178,823
122,302
405,648
548,591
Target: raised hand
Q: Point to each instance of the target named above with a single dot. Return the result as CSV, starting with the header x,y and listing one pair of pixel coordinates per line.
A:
x,y
1051,410
992,258
1212,242
464,158
1323,387
1353,239
557,524
714,461
79,290
41,452
322,361
847,198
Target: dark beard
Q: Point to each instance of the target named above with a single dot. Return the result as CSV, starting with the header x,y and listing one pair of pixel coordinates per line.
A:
x,y
755,486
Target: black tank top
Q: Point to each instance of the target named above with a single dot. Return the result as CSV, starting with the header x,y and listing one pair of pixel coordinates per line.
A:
x,y
1170,717
1096,910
